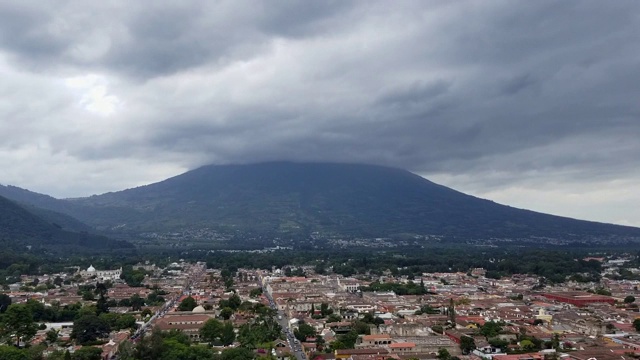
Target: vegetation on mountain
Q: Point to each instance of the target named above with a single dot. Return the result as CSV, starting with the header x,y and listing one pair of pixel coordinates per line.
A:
x,y
23,231
299,199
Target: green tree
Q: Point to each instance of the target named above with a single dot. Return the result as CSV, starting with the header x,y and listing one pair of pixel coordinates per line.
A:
x,y
255,292
19,320
155,299
137,302
126,351
234,301
150,347
102,305
89,328
555,341
334,318
237,354
38,311
467,344
52,336
87,353
304,331
261,330
491,329
368,318
5,301
629,299
325,310
443,354
636,324
11,353
132,277
603,291
349,339
499,343
211,330
527,345
227,335
226,313
187,304
126,321
146,312
438,329
361,327
451,311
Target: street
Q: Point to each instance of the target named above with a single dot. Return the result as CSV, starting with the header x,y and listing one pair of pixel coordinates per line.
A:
x,y
282,319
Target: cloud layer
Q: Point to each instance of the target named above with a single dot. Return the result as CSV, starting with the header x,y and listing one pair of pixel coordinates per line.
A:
x,y
534,104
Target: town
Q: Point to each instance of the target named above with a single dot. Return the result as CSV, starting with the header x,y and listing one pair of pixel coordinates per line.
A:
x,y
295,312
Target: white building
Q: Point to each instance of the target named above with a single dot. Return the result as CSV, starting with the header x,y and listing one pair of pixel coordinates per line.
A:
x,y
101,275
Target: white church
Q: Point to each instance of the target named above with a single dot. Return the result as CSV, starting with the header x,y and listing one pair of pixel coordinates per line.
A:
x,y
101,275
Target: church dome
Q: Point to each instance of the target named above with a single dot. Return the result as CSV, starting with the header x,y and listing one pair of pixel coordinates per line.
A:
x,y
198,309
91,268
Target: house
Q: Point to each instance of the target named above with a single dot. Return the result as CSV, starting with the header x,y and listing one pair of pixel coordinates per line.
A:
x,y
403,347
370,341
189,324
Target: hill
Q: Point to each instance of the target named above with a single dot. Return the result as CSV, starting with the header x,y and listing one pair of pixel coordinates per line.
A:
x,y
21,229
346,199
299,199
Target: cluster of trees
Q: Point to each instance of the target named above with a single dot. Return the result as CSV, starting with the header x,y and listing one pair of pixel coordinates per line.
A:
x,y
257,333
187,304
175,345
304,331
19,323
89,328
90,291
427,309
254,293
91,322
409,288
218,333
324,312
555,265
492,329
348,340
133,277
227,277
443,354
36,352
22,320
294,272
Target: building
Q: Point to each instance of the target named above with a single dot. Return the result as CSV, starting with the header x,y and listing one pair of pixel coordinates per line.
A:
x,y
579,298
101,275
188,324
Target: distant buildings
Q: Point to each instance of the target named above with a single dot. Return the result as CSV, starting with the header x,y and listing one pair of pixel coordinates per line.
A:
x,y
579,298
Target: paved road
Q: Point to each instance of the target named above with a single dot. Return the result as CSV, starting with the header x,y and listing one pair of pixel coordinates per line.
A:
x,y
166,307
294,344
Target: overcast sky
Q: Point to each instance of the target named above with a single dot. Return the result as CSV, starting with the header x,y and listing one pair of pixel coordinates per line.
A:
x,y
535,104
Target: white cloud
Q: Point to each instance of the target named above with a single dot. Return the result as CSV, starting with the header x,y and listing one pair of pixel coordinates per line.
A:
x,y
93,94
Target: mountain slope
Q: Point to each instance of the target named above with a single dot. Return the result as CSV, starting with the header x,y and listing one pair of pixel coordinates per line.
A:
x,y
300,198
21,228
70,215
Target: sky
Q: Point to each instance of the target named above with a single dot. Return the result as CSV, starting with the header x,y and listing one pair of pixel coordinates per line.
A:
x,y
534,104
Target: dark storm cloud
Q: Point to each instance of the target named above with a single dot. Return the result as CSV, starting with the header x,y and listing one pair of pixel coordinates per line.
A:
x,y
492,90
22,32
